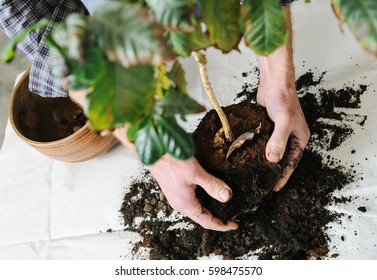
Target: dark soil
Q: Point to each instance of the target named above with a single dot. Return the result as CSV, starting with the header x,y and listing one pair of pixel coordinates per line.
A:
x,y
289,224
48,119
247,171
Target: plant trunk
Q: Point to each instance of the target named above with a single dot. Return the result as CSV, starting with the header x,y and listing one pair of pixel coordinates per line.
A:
x,y
200,58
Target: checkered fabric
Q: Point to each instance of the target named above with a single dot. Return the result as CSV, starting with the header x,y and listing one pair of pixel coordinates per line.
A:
x,y
15,15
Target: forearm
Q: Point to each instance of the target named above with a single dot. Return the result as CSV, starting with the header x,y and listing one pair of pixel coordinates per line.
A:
x,y
278,67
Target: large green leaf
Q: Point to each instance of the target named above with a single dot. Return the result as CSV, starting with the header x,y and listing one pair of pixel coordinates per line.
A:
x,y
135,127
361,16
121,96
179,103
128,34
178,76
183,43
265,25
222,21
175,139
174,15
92,70
148,144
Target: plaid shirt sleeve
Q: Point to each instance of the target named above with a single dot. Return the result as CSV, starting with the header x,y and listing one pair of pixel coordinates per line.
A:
x,y
15,15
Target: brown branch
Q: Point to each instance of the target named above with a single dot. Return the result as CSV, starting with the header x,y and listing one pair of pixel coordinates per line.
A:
x,y
200,58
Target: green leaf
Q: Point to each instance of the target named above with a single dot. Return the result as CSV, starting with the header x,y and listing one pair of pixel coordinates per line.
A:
x,y
183,43
94,67
265,25
80,74
175,139
361,17
222,21
8,50
180,42
128,34
133,129
179,103
178,76
148,144
201,58
121,96
173,14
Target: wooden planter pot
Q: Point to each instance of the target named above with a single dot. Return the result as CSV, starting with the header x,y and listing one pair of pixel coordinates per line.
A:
x,y
43,124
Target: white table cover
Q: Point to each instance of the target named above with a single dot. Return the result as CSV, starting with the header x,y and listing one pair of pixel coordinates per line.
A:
x,y
55,210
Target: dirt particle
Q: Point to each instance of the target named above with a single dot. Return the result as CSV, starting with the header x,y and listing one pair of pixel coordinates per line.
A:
x,y
362,209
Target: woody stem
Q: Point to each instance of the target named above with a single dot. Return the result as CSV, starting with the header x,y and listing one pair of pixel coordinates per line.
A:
x,y
200,58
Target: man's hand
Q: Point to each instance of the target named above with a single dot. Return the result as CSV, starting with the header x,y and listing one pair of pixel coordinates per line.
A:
x,y
291,130
277,92
178,180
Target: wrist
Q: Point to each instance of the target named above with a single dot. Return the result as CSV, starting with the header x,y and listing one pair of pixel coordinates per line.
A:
x,y
277,69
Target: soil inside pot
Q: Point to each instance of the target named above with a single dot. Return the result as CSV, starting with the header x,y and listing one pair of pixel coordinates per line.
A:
x,y
48,119
247,171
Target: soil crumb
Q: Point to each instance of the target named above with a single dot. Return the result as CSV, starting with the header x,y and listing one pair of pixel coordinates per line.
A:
x,y
290,224
362,209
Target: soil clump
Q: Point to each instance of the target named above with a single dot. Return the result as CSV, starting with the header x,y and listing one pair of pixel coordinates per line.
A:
x,y
247,171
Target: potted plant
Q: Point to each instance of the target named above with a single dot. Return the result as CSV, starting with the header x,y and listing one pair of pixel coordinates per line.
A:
x,y
127,54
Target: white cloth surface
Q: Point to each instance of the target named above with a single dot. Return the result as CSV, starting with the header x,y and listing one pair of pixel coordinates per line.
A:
x,y
55,210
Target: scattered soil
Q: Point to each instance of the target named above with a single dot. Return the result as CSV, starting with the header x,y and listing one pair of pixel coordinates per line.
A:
x,y
47,119
247,171
289,224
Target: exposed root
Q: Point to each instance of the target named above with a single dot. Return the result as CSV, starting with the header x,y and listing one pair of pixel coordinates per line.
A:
x,y
219,141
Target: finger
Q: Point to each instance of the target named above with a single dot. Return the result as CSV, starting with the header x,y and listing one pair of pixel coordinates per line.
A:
x,y
204,218
287,172
278,141
295,152
215,187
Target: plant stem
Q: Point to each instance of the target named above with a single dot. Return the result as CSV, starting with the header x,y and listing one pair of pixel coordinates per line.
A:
x,y
200,58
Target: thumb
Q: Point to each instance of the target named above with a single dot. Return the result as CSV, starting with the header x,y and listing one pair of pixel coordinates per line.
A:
x,y
215,187
277,143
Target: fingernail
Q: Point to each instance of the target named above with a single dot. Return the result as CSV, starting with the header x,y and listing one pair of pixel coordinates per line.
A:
x,y
224,194
232,225
273,155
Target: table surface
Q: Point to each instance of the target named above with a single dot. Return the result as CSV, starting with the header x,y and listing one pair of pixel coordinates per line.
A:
x,y
55,210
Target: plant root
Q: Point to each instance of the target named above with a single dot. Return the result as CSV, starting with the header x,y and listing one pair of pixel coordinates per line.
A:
x,y
219,141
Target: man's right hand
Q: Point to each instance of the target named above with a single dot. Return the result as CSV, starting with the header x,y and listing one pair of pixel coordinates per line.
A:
x,y
178,180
